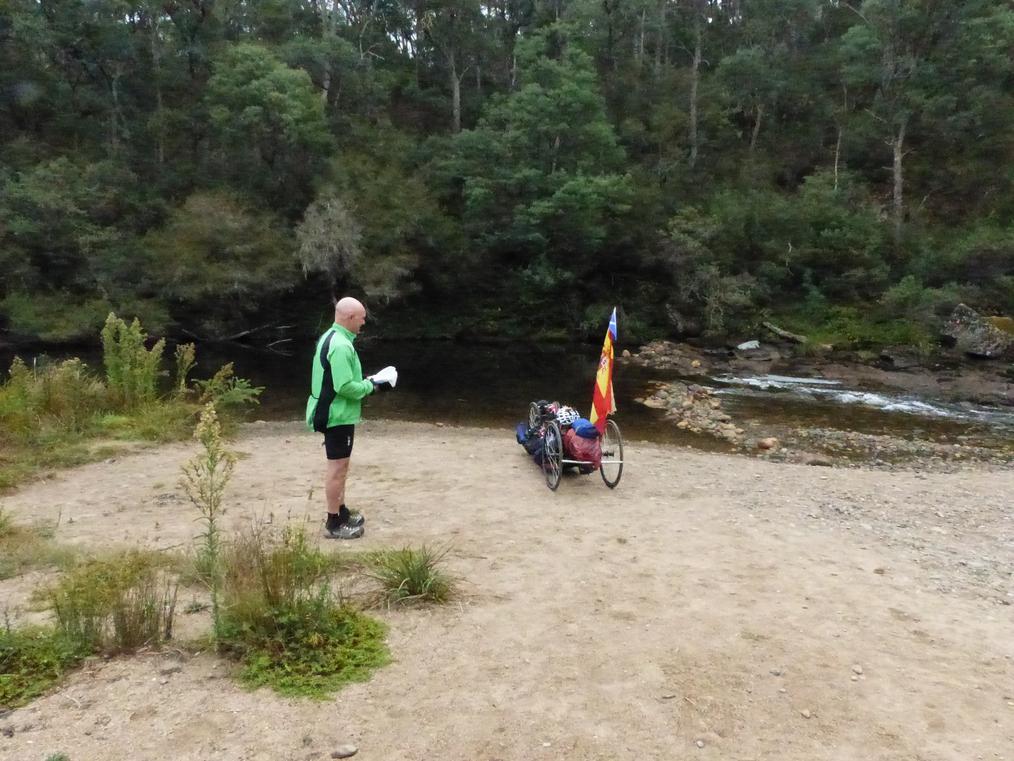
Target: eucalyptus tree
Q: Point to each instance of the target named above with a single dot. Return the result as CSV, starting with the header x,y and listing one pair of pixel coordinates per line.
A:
x,y
543,180
889,58
268,124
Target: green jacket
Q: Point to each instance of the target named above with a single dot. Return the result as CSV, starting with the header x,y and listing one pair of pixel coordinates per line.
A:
x,y
342,395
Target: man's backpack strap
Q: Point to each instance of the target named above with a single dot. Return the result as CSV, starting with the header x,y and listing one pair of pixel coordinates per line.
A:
x,y
327,393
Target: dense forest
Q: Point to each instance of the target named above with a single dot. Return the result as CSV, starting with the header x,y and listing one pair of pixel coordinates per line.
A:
x,y
506,167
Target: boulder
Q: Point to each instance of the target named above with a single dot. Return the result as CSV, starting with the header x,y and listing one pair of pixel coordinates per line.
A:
x,y
975,335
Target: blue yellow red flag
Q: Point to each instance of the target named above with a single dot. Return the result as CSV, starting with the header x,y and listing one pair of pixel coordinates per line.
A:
x,y
603,401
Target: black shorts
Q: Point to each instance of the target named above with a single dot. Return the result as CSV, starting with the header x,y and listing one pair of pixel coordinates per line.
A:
x,y
338,441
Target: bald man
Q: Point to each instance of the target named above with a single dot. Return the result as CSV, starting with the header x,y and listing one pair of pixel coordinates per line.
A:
x,y
337,388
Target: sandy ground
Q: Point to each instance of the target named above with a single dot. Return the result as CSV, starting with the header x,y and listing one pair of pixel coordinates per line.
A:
x,y
711,607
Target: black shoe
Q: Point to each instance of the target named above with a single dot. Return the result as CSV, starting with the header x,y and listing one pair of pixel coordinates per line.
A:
x,y
349,518
343,531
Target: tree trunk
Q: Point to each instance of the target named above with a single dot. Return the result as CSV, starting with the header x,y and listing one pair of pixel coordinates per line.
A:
x,y
899,197
455,95
417,58
114,112
837,154
660,46
756,127
841,131
639,41
694,77
156,64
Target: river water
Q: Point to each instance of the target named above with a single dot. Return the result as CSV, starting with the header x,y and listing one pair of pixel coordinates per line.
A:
x,y
490,385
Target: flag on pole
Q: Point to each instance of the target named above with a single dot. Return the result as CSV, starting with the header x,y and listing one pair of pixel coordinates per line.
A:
x,y
603,402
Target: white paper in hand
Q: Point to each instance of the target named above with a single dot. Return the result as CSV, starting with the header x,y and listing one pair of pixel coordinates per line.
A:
x,y
387,375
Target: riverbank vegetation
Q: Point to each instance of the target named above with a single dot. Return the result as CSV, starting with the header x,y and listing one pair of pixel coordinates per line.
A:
x,y
212,168
66,413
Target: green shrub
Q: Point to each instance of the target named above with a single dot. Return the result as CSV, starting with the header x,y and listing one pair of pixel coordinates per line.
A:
x,y
282,620
48,412
227,392
261,573
66,392
131,370
117,604
310,647
54,317
32,661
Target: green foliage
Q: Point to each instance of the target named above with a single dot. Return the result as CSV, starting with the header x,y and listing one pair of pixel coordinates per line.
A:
x,y
268,121
543,169
221,258
283,622
131,369
32,661
50,414
166,166
411,575
226,392
978,260
114,605
54,318
311,648
67,392
864,327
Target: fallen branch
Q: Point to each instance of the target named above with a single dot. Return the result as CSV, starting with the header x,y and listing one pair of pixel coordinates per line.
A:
x,y
784,333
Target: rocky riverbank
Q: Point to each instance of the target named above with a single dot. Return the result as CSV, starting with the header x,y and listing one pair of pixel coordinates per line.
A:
x,y
694,406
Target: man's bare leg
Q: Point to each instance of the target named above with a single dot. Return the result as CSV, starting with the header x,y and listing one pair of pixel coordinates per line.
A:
x,y
334,484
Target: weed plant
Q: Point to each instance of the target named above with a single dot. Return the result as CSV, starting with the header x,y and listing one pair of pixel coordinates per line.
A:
x,y
131,370
283,621
117,604
204,480
410,575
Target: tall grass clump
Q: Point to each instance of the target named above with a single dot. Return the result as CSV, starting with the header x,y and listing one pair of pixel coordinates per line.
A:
x,y
34,398
117,604
204,480
284,622
410,575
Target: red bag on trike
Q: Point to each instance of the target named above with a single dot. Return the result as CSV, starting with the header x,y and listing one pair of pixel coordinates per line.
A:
x,y
577,448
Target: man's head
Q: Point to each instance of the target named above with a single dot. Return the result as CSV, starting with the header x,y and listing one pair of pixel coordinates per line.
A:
x,y
350,314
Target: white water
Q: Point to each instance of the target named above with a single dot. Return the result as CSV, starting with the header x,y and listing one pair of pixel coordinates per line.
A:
x,y
831,391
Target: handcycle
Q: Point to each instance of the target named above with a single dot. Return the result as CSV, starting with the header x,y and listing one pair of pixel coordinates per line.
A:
x,y
554,460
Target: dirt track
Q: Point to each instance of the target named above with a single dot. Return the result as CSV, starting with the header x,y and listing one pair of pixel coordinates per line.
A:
x,y
712,607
